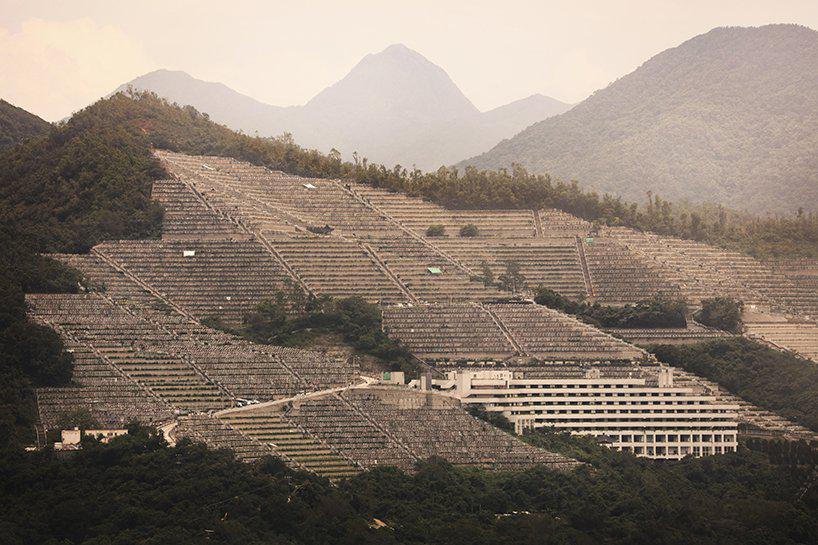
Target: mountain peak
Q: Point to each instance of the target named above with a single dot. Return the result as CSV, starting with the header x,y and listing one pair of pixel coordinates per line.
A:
x,y
401,81
398,49
394,106
728,115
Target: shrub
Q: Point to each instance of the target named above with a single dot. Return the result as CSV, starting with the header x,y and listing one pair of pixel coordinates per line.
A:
x,y
469,230
436,230
319,230
649,314
357,321
512,278
486,274
722,313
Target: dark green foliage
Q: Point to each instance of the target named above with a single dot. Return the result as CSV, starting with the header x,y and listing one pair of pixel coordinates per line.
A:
x,y
32,355
90,179
320,230
37,351
486,274
137,490
721,313
493,418
87,181
782,452
469,230
775,380
358,322
17,409
650,314
267,322
512,278
18,125
436,230
30,272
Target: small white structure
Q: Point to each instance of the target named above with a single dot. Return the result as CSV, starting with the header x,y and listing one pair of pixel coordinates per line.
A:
x,y
103,436
69,440
72,439
188,253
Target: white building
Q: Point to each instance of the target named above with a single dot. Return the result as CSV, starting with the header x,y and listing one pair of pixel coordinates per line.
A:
x,y
651,418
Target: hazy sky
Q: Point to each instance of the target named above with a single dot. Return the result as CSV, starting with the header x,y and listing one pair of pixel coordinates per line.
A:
x,y
58,56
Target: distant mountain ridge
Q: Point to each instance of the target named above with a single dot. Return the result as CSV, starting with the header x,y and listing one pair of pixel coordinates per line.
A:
x,y
18,125
730,116
392,107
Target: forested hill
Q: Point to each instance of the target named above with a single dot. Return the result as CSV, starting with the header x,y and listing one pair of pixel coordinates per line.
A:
x,y
730,116
17,125
89,180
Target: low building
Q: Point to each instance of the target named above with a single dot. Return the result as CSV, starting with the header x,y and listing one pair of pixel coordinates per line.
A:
x,y
649,417
72,439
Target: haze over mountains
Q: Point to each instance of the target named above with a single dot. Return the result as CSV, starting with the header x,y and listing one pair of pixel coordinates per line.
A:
x,y
393,107
730,116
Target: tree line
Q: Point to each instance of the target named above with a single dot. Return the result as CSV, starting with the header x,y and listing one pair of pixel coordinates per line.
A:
x,y
292,318
139,490
90,178
772,379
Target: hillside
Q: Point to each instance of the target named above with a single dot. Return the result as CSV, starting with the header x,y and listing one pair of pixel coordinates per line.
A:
x,y
130,490
17,125
221,103
138,317
730,116
392,107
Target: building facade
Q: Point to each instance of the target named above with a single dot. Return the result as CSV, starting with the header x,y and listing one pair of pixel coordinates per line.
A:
x,y
649,417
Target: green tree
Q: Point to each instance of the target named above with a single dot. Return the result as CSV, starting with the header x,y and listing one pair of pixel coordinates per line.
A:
x,y
469,230
772,379
486,274
722,313
268,319
436,230
512,278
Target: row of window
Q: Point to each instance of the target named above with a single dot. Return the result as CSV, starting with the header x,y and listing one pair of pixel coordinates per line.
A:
x,y
683,412
678,451
674,438
491,392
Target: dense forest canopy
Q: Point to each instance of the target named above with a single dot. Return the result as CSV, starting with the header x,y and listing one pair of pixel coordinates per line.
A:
x,y
657,313
729,117
290,319
18,125
138,490
32,354
769,378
